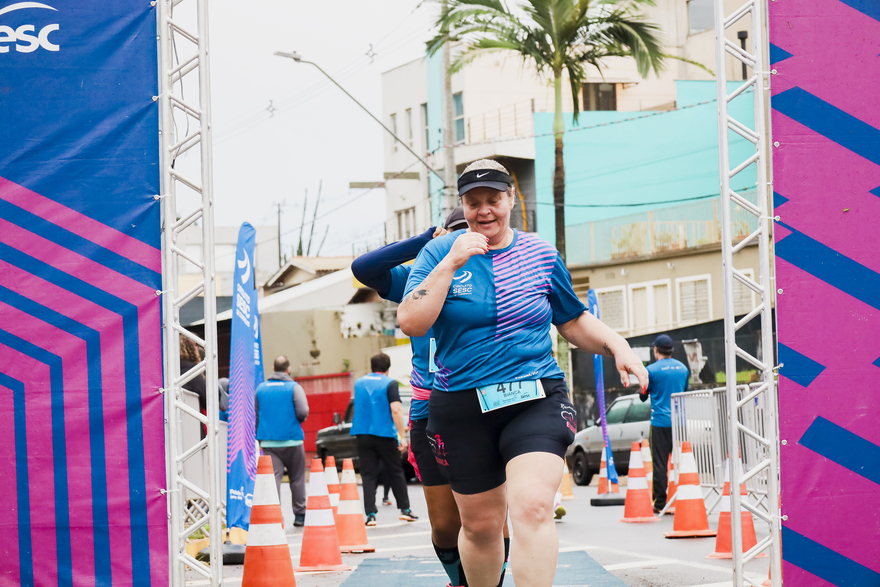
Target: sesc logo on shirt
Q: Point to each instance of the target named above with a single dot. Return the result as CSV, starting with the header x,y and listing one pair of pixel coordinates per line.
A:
x,y
460,285
25,37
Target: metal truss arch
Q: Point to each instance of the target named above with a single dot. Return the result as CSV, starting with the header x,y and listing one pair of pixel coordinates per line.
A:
x,y
762,434
194,501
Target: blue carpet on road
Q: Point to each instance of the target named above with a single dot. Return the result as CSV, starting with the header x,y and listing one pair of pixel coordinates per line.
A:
x,y
573,569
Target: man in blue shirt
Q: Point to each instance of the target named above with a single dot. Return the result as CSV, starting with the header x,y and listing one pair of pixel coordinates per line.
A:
x,y
381,435
666,376
280,406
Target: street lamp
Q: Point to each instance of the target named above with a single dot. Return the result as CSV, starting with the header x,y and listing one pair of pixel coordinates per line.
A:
x,y
298,58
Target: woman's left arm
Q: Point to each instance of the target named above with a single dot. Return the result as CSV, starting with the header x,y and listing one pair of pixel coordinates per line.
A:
x,y
589,333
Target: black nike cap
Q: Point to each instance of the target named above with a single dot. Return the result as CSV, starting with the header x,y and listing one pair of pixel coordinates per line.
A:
x,y
484,178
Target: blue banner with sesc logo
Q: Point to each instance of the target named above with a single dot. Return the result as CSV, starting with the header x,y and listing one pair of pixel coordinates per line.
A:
x,y
82,440
245,373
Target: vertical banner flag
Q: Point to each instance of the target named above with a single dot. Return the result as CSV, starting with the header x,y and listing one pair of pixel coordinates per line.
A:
x,y
245,373
82,439
599,370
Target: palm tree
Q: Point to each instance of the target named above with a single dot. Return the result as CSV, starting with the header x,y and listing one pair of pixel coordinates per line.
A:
x,y
557,36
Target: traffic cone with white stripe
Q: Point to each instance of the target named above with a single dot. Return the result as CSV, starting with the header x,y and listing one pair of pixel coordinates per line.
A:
x,y
670,485
638,506
649,465
608,492
724,542
320,545
332,477
267,557
350,515
690,511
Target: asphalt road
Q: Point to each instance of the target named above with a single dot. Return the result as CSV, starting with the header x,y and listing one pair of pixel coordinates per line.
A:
x,y
638,554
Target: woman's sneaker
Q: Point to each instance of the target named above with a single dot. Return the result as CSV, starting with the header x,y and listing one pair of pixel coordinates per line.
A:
x,y
407,515
371,519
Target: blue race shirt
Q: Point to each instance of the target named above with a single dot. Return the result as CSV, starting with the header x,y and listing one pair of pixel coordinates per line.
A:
x,y
665,377
277,413
494,325
372,412
421,375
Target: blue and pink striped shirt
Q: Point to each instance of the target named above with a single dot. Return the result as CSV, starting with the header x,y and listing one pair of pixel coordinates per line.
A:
x,y
494,325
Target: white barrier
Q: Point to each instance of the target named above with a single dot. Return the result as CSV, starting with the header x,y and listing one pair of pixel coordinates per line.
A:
x,y
700,417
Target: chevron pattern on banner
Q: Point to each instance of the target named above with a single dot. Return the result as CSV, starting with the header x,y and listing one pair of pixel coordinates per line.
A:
x,y
826,175
80,356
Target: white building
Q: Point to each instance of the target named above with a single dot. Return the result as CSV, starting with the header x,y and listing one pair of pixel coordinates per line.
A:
x,y
495,97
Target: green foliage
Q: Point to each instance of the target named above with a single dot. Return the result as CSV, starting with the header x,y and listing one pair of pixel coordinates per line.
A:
x,y
556,35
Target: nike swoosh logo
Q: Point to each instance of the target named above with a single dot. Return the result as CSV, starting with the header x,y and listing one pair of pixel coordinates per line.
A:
x,y
479,176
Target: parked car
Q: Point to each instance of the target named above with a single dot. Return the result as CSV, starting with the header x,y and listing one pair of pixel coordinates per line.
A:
x,y
629,420
336,440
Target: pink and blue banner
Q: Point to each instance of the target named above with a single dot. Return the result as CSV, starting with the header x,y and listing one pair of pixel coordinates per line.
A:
x,y
82,455
245,374
826,123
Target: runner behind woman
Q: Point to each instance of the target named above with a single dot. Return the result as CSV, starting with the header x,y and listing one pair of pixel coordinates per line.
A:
x,y
384,271
499,418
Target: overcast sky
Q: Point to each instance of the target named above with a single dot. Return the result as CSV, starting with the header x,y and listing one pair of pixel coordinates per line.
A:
x,y
317,133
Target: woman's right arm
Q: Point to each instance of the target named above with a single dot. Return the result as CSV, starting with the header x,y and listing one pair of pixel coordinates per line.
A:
x,y
420,308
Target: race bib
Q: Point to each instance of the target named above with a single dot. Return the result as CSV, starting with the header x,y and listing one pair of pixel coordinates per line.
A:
x,y
501,395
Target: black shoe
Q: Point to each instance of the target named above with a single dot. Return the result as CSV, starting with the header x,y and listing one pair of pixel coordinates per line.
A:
x,y
299,520
371,519
657,510
407,515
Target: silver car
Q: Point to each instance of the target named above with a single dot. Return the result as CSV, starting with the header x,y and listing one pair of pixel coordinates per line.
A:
x,y
629,420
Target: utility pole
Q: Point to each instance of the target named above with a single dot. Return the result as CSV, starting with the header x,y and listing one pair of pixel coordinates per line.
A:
x,y
450,193
280,261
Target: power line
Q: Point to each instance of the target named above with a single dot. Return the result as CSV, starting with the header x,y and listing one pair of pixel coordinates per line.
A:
x,y
631,205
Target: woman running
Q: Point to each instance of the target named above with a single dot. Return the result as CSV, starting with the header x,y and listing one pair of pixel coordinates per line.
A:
x,y
384,270
499,415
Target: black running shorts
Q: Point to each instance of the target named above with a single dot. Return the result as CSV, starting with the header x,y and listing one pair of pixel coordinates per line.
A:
x,y
472,449
429,472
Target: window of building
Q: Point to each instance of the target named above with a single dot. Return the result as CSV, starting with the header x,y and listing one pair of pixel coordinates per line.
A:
x,y
612,306
427,129
394,130
581,285
694,298
458,103
650,305
409,127
701,16
743,296
600,97
406,223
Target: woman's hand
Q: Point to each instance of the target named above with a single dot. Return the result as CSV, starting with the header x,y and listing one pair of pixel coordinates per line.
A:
x,y
440,232
628,363
465,247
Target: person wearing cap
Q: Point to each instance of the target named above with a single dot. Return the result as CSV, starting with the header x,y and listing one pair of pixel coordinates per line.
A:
x,y
386,271
666,376
499,418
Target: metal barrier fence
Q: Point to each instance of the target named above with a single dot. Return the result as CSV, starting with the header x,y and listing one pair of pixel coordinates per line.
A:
x,y
700,417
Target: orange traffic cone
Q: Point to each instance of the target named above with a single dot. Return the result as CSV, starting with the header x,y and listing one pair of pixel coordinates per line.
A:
x,y
350,516
724,542
768,582
332,483
320,545
609,492
670,485
267,556
604,485
565,488
649,465
690,511
638,506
